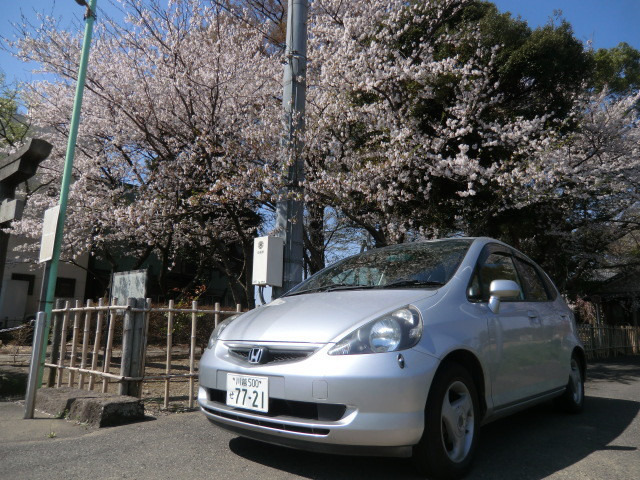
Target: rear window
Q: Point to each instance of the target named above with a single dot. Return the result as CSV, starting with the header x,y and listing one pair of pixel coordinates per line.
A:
x,y
533,284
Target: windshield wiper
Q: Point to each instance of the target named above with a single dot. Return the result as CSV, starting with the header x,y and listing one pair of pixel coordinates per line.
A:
x,y
412,283
333,287
344,286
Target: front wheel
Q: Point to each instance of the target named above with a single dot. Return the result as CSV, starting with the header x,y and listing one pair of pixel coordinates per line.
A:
x,y
451,426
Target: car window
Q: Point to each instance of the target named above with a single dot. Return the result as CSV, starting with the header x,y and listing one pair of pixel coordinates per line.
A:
x,y
497,266
533,285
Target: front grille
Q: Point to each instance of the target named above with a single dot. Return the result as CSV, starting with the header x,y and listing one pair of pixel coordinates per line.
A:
x,y
271,424
272,355
240,353
327,412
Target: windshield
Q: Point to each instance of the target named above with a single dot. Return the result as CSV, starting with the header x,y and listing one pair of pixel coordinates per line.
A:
x,y
410,265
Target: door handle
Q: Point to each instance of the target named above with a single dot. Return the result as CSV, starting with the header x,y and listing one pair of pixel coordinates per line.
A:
x,y
533,317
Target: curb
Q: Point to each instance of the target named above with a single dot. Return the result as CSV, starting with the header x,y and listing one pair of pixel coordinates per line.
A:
x,y
92,408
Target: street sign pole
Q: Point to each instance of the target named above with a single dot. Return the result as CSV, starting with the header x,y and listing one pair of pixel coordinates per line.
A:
x,y
38,340
66,178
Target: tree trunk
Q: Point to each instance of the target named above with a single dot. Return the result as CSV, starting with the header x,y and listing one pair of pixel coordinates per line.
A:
x,y
164,266
314,240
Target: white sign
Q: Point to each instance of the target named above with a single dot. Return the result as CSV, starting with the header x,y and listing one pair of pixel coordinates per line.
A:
x,y
49,227
268,261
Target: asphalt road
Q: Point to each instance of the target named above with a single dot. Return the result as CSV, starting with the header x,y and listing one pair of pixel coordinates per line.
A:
x,y
602,443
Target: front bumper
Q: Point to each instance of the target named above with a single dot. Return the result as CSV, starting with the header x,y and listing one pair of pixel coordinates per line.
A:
x,y
351,404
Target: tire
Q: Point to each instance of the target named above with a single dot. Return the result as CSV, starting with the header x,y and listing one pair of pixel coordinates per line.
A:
x,y
451,427
572,400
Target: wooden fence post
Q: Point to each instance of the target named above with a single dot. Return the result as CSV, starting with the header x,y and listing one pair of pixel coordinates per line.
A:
x,y
63,343
85,342
147,315
216,317
108,351
127,340
96,343
169,344
74,342
138,346
55,343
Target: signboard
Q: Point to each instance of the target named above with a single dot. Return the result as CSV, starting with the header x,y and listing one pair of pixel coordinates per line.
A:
x,y
130,288
125,285
268,261
49,227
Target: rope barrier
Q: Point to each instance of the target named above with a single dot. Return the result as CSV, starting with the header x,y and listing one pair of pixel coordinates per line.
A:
x,y
26,325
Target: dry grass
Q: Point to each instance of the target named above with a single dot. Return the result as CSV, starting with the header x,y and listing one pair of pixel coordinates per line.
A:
x,y
152,390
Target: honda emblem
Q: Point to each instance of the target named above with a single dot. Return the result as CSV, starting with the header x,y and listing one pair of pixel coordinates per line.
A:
x,y
256,354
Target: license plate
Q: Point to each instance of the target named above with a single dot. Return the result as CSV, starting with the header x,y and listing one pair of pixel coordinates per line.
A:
x,y
246,391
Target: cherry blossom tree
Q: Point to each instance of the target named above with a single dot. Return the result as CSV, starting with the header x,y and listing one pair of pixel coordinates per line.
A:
x,y
582,189
403,124
415,130
179,133
424,118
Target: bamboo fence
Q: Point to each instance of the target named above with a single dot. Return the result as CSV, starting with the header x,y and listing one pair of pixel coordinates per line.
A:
x,y
602,341
89,358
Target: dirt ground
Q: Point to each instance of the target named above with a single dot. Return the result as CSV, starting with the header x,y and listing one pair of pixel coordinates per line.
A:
x,y
152,390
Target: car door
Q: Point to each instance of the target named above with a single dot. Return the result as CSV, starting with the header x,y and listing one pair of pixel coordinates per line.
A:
x,y
513,351
551,369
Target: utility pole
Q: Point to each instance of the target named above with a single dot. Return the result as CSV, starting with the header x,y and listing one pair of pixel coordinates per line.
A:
x,y
51,269
289,220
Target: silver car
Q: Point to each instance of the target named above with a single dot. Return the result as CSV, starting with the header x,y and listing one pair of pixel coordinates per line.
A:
x,y
400,351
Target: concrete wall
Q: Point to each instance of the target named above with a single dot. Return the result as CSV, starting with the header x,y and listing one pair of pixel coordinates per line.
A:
x,y
22,283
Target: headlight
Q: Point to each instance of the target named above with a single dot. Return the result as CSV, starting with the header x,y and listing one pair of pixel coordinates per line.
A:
x,y
218,330
398,330
385,335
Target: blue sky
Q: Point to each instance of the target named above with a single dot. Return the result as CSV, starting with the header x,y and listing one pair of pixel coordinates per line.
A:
x,y
604,22
68,11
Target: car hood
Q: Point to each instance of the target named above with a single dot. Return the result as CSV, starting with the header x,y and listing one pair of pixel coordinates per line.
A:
x,y
317,317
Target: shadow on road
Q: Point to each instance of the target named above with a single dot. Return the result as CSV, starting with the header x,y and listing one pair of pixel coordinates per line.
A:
x,y
621,369
530,445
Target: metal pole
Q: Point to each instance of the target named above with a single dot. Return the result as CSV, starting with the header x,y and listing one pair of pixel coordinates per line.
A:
x,y
46,271
289,220
34,373
66,176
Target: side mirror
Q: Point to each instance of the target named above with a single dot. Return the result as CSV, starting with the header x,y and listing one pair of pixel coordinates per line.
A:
x,y
500,289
